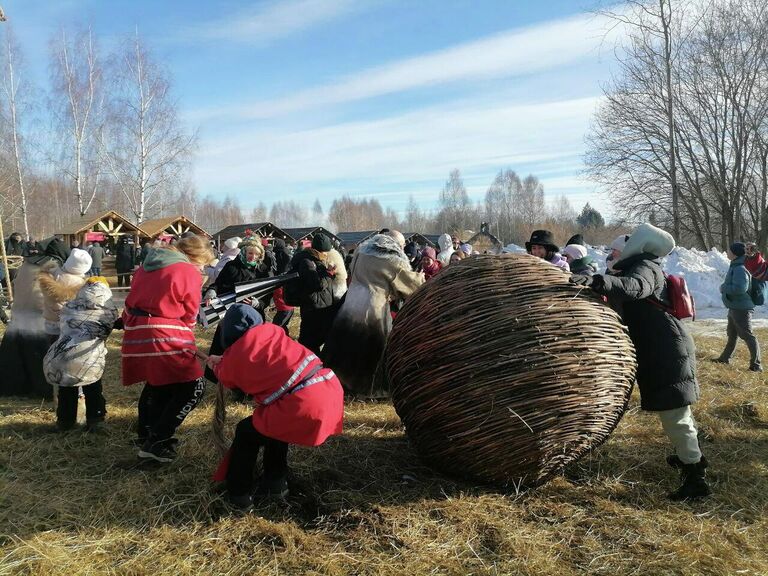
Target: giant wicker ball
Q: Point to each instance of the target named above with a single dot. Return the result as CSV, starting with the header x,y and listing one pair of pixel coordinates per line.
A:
x,y
504,372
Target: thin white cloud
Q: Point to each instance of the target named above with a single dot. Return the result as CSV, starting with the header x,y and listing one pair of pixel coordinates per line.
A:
x,y
271,21
512,53
379,155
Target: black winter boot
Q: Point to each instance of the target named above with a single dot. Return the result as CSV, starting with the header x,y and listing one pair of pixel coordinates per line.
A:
x,y
694,484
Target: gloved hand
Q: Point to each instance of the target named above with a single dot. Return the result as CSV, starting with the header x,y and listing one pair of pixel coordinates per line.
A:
x,y
118,325
581,280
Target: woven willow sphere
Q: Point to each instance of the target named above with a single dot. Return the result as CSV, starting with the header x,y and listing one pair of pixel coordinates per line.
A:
x,y
504,372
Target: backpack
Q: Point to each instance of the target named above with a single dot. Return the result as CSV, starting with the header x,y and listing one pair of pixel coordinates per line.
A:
x,y
758,290
682,304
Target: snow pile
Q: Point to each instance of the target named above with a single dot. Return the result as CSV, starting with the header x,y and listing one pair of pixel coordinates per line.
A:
x,y
703,272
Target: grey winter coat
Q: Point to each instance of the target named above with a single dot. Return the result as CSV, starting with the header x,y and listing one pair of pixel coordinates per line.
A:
x,y
666,355
97,255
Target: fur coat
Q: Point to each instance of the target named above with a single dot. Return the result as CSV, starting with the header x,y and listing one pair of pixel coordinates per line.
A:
x,y
78,357
58,288
380,273
339,282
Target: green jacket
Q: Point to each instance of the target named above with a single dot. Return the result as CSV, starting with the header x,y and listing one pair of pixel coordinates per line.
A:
x,y
735,287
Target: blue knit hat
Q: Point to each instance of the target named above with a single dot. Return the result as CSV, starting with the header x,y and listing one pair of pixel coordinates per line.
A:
x,y
739,248
237,321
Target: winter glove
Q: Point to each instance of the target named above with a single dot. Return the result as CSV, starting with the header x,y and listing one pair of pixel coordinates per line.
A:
x,y
581,280
118,325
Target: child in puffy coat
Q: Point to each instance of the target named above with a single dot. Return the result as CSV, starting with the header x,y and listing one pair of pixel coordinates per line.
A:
x,y
77,358
297,401
59,284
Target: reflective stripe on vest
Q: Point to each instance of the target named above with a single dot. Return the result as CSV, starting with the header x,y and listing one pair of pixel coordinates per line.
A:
x,y
285,387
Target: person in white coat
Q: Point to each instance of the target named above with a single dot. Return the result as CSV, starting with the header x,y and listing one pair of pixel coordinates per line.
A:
x,y
445,243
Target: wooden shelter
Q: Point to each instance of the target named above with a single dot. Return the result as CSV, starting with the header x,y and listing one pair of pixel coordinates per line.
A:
x,y
351,240
106,228
420,239
304,235
171,226
485,242
263,229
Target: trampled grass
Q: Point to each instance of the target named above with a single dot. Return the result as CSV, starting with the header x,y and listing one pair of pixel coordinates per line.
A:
x,y
364,504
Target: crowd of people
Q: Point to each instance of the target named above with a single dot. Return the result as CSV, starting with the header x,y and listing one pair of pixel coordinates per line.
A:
x,y
347,303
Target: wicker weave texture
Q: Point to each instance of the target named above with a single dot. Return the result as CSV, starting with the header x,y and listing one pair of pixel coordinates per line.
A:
x,y
504,372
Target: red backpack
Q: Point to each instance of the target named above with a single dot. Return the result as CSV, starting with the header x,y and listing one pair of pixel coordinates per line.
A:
x,y
681,301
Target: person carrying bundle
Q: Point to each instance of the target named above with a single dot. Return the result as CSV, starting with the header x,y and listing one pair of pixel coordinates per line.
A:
x,y
296,401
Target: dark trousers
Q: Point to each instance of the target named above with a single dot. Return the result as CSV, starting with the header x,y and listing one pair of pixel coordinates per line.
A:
x,y
740,326
95,404
282,318
123,279
163,408
314,328
244,453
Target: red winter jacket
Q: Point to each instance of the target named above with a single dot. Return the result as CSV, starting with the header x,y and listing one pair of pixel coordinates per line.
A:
x,y
757,266
159,317
297,400
279,300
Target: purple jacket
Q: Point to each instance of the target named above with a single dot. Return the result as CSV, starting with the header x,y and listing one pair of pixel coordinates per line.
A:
x,y
560,262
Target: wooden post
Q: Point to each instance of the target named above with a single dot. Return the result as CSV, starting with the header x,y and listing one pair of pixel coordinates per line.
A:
x,y
5,263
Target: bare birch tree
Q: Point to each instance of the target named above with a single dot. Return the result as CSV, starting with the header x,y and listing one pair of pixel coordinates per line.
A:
x,y
14,92
76,79
144,145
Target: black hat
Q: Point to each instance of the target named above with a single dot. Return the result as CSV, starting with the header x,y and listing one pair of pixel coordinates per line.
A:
x,y
322,243
542,238
576,239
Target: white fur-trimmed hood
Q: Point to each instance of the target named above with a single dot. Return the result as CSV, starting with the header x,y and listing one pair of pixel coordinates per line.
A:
x,y
383,246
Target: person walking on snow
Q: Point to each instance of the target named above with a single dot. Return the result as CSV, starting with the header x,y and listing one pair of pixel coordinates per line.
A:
x,y
735,294
665,352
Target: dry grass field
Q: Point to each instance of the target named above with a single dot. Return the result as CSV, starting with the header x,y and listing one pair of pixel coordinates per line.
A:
x,y
364,504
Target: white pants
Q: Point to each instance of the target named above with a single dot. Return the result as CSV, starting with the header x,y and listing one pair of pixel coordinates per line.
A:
x,y
680,427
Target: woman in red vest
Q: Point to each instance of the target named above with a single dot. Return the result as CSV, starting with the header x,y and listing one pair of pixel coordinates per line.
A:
x,y
159,342
297,401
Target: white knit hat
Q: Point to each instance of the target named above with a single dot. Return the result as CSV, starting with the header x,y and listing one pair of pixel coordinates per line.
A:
x,y
575,251
78,263
233,243
620,242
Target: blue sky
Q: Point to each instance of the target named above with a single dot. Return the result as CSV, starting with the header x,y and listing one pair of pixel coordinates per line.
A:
x,y
305,99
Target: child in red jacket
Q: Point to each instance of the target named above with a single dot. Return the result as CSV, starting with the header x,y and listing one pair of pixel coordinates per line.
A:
x,y
297,401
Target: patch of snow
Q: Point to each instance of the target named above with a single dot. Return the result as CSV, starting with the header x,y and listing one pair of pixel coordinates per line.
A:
x,y
703,272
